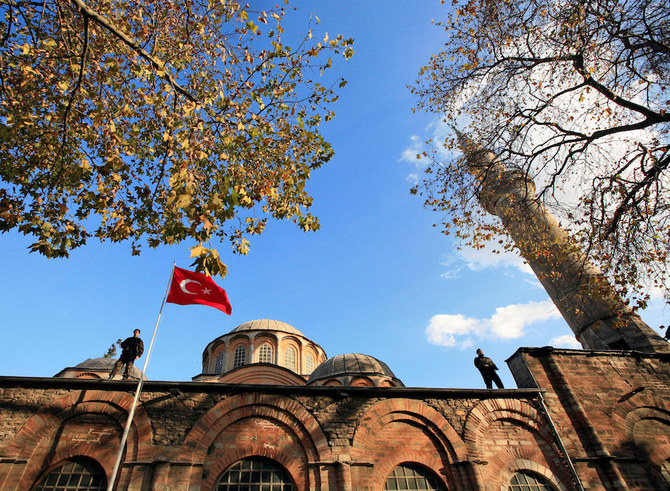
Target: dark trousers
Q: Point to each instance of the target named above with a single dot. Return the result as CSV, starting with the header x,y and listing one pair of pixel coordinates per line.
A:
x,y
117,366
491,376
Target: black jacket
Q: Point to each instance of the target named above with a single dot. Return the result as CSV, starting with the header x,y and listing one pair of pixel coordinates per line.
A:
x,y
485,364
132,348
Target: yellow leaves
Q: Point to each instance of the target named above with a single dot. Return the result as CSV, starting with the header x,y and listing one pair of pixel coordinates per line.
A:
x,y
198,250
151,164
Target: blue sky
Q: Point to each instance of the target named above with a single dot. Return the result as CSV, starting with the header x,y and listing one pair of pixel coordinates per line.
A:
x,y
372,280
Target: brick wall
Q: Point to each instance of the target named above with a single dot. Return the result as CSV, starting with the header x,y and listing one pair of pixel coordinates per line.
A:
x,y
611,409
186,434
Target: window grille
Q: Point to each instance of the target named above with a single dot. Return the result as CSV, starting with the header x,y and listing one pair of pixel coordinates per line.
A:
x,y
240,356
255,474
405,477
665,472
309,363
74,476
265,354
218,364
289,358
528,481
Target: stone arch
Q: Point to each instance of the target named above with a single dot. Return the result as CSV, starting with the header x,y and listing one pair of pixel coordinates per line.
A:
x,y
29,442
629,404
489,410
637,407
60,459
88,375
643,420
523,417
394,459
361,381
450,448
266,336
283,412
528,465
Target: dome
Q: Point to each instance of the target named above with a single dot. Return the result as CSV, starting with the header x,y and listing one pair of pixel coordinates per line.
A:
x,y
352,365
262,345
267,325
97,363
95,368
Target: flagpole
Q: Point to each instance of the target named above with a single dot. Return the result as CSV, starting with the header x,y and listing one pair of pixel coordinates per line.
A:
x,y
140,383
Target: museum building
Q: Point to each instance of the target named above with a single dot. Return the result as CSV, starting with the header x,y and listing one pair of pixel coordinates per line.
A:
x,y
271,412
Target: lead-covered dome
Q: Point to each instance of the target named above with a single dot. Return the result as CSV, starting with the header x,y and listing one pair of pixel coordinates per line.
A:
x,y
267,325
354,369
95,368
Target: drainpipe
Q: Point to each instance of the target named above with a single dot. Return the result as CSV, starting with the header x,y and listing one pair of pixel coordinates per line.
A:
x,y
573,471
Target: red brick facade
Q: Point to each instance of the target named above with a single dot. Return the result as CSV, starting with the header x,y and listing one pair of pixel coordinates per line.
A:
x,y
609,410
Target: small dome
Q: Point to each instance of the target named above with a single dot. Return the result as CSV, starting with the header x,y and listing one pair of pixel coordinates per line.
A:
x,y
267,325
97,363
96,367
352,365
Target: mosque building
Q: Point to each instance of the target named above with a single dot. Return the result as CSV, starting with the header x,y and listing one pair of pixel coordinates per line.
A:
x,y
271,412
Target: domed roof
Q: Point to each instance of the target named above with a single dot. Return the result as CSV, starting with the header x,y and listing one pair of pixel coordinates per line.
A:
x,y
97,363
351,364
267,325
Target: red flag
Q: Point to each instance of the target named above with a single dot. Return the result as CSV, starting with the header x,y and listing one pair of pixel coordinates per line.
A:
x,y
189,288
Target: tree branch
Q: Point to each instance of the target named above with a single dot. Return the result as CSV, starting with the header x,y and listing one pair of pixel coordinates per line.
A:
x,y
630,199
154,62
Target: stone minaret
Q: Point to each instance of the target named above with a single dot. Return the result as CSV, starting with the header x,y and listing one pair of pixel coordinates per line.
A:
x,y
593,310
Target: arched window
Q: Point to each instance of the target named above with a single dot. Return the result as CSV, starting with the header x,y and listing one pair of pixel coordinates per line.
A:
x,y
408,476
289,358
240,356
79,475
265,354
218,364
255,473
309,363
529,481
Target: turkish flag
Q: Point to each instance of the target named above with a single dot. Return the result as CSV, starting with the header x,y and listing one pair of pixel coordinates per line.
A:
x,y
189,288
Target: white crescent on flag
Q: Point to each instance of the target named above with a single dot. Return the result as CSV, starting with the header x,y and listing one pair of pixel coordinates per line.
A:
x,y
183,284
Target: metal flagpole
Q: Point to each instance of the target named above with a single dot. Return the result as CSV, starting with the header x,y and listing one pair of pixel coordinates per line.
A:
x,y
131,413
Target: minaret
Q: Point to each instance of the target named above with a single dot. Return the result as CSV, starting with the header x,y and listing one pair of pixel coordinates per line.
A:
x,y
593,310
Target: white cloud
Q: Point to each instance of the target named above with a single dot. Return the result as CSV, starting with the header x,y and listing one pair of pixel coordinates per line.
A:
x,y
415,148
450,330
479,259
507,323
566,341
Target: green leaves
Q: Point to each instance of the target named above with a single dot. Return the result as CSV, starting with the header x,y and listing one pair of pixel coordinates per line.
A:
x,y
157,123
